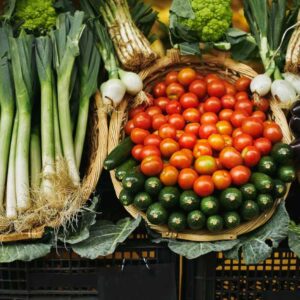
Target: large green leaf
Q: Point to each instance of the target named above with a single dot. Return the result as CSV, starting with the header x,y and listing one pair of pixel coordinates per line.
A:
x,y
294,242
193,250
105,237
258,245
25,252
182,8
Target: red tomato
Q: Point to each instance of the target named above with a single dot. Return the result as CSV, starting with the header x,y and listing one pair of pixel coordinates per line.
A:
x,y
149,150
216,88
169,176
241,141
192,128
186,178
228,140
177,121
151,165
188,153
251,156
171,77
174,91
167,131
221,179
180,160
188,100
259,115
209,118
238,117
186,76
136,151
173,107
187,140
225,114
211,77
239,96
228,101
224,127
246,105
159,89
168,147
191,115
230,88
253,126
205,165
201,108
153,140
230,157
273,133
158,121
142,120
128,127
263,145
212,104
138,135
179,133
198,87
134,111
237,132
242,84
203,186
219,165
240,175
216,141
162,102
202,148
206,130
153,110
262,104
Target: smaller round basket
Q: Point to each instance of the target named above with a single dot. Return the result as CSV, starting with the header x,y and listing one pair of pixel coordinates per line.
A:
x,y
227,69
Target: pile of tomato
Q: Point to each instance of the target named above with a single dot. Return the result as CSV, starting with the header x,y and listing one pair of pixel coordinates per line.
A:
x,y
201,132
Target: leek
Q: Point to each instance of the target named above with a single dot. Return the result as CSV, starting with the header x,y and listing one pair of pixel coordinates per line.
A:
x,y
35,159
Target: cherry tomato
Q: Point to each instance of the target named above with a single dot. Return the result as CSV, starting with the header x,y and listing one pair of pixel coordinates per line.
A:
x,y
253,126
224,127
263,145
239,96
259,115
142,120
273,133
167,131
262,104
211,77
241,141
180,160
203,186
153,140
179,133
221,179
230,157
136,151
159,89
230,88
151,165
237,132
134,111
162,102
187,140
242,84
219,165
228,101
246,105
212,104
149,150
216,88
225,114
251,156
186,178
206,130
128,127
205,165
201,148
169,176
138,135
188,100
209,118
173,107
228,140
177,121
191,115
174,91
238,117
171,77
198,87
158,121
188,153
168,147
186,76
240,175
192,128
216,141
153,110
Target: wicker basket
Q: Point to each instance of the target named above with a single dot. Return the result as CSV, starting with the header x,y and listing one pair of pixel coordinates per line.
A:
x,y
225,68
95,153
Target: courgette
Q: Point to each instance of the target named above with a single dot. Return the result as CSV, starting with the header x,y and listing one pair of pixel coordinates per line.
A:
x,y
124,168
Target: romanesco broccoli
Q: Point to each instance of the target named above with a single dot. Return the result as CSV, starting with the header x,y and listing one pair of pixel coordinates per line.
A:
x,y
37,16
212,19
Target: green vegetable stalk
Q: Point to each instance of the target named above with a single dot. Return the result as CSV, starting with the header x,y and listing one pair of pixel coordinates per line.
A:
x,y
35,159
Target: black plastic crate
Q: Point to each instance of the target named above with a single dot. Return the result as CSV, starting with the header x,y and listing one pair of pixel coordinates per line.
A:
x,y
213,277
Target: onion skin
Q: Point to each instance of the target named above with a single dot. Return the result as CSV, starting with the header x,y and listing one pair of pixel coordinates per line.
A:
x,y
294,80
284,91
113,92
132,81
261,84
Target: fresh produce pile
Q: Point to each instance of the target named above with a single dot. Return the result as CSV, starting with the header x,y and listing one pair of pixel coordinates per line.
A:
x,y
202,154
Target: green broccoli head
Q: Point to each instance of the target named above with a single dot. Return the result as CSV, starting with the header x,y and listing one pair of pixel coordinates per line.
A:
x,y
212,19
37,15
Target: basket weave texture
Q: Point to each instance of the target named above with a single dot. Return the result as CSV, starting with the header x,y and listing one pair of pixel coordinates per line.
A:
x,y
226,68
